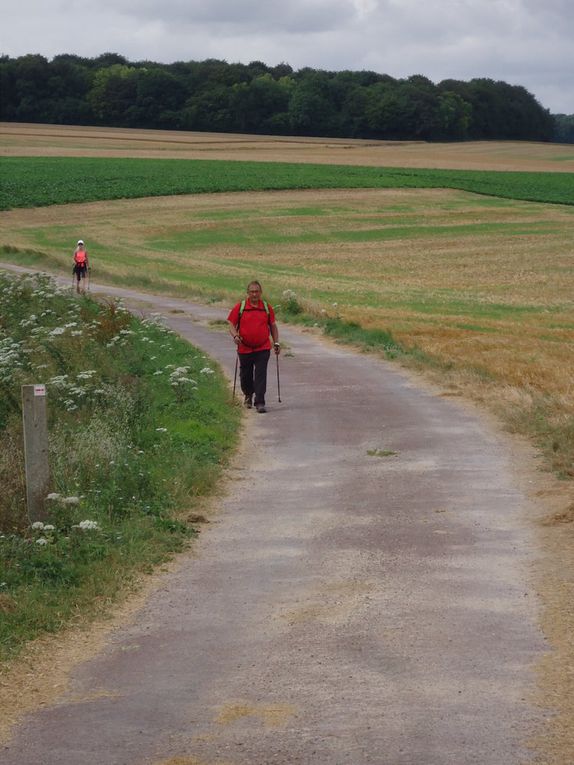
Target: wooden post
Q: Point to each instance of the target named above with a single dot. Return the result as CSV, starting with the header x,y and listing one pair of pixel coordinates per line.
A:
x,y
34,414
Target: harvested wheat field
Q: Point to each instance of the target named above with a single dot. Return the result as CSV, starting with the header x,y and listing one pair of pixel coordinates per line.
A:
x,y
476,291
481,286
57,140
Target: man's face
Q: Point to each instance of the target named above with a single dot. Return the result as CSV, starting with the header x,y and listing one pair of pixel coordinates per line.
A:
x,y
254,293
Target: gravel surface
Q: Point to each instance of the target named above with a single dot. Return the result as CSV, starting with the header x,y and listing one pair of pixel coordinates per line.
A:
x,y
362,595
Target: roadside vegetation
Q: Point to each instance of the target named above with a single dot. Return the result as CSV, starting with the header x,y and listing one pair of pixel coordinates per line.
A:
x,y
41,181
140,425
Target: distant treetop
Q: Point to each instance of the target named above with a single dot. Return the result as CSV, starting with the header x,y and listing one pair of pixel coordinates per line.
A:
x,y
214,95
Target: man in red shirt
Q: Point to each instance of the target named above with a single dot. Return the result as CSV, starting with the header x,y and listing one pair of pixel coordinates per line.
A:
x,y
250,323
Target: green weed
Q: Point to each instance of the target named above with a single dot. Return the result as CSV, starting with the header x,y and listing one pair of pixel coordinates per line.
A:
x,y
381,453
139,426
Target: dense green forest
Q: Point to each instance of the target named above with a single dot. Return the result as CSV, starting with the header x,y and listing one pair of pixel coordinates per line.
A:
x,y
214,95
564,128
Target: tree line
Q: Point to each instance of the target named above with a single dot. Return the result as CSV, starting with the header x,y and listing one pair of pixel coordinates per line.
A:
x,y
213,95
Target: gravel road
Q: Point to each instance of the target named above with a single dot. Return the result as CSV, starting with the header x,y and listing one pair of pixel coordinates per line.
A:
x,y
362,594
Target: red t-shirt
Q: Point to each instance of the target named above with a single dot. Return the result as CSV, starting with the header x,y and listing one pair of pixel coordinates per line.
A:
x,y
254,326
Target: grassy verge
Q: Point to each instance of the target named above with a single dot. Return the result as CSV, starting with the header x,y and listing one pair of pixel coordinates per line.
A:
x,y
41,181
140,425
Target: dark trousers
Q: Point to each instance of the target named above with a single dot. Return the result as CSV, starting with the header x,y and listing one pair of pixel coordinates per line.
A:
x,y
253,374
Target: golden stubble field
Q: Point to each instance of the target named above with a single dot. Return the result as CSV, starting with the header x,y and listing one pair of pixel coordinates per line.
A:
x,y
483,287
18,139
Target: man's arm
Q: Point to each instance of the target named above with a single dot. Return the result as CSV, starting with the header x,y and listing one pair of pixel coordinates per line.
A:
x,y
234,333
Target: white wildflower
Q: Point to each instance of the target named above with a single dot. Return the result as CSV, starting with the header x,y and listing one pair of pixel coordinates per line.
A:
x,y
41,541
58,380
54,495
206,371
37,525
49,527
71,500
161,430
88,525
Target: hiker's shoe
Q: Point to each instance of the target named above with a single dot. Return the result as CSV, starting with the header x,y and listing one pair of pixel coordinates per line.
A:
x,y
260,408
248,402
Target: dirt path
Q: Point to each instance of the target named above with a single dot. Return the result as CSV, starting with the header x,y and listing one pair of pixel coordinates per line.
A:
x,y
346,606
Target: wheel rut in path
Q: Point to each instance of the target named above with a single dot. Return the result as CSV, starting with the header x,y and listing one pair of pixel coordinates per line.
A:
x,y
361,596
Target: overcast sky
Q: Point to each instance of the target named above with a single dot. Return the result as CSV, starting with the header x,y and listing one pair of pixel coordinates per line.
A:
x,y
523,42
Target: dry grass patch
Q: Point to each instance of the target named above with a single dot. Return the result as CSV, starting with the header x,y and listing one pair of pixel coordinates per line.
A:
x,y
501,302
57,140
565,516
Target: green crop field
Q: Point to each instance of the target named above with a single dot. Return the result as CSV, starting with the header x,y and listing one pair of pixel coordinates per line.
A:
x,y
41,181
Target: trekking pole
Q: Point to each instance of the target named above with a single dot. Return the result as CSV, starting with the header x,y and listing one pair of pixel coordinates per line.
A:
x,y
235,374
278,384
89,272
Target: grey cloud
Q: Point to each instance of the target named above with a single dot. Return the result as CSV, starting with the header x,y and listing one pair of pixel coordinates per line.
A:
x,y
561,11
291,16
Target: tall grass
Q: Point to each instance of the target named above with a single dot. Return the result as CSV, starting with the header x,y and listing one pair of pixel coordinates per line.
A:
x,y
139,425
